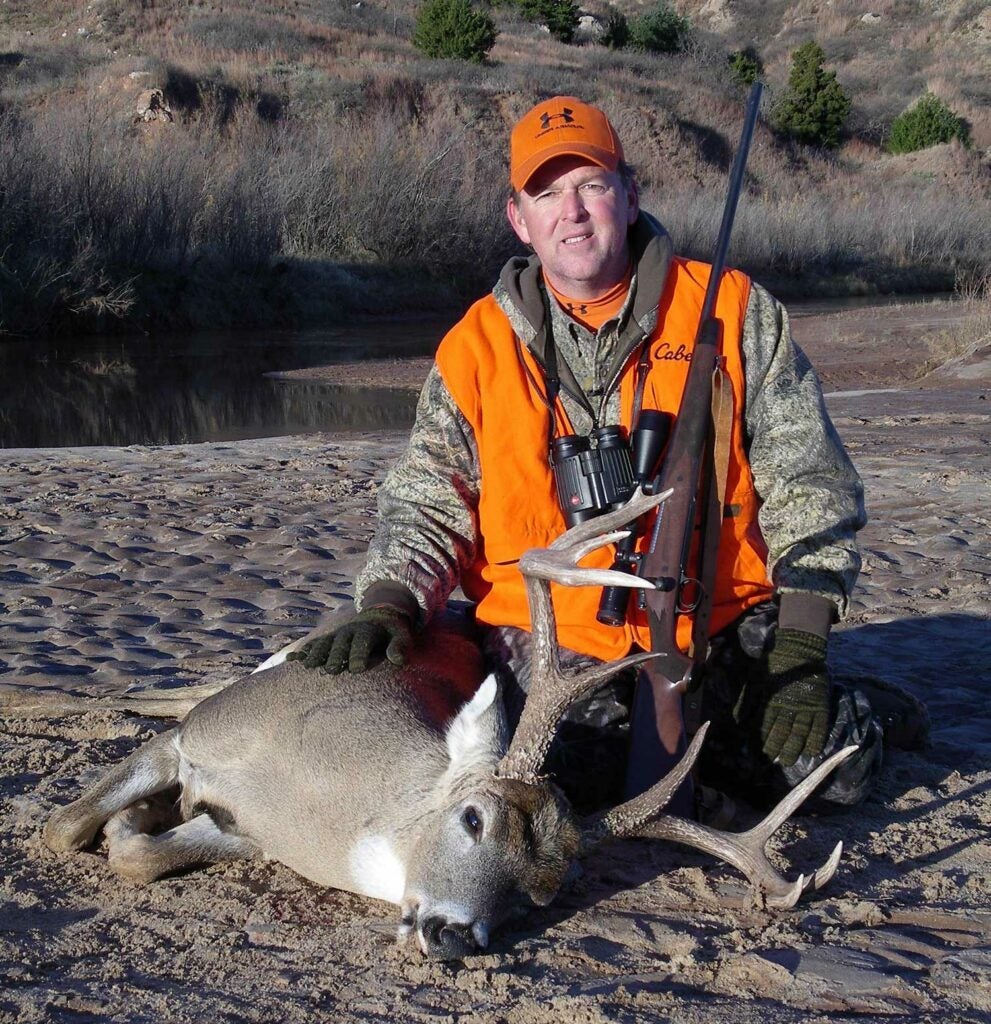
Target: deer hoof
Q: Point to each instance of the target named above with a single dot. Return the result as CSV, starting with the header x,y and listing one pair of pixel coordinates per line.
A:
x,y
134,859
70,829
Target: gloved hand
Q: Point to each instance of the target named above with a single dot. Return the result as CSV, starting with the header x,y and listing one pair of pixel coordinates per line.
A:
x,y
797,713
354,645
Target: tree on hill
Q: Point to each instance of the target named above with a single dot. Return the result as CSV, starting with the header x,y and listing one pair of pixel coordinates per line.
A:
x,y
928,123
815,106
659,30
560,16
453,28
616,30
745,65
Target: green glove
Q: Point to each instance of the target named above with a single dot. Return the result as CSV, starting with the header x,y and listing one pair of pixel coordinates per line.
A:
x,y
797,714
355,644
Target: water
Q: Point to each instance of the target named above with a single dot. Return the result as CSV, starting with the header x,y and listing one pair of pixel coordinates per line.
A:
x,y
213,387
209,387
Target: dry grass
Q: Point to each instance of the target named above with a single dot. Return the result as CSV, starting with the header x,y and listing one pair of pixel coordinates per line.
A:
x,y
971,331
316,150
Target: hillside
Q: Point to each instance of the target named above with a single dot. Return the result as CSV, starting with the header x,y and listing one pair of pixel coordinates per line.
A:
x,y
308,150
884,53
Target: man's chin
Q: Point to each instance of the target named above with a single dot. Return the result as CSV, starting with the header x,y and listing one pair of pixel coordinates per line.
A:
x,y
579,283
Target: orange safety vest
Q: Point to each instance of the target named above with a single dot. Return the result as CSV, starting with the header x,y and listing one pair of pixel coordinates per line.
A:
x,y
479,361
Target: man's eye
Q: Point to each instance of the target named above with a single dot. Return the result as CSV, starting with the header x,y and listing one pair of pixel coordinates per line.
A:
x,y
593,188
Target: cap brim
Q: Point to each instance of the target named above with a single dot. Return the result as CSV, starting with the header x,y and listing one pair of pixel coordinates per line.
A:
x,y
595,154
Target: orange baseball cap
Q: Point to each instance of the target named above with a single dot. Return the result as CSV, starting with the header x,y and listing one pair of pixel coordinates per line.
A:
x,y
561,126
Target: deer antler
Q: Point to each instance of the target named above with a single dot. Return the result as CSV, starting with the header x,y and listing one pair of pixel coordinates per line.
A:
x,y
744,850
552,691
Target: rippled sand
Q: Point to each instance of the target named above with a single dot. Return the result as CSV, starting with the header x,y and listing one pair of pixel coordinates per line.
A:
x,y
185,564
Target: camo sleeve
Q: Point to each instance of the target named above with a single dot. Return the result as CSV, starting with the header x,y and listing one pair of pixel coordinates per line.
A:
x,y
812,497
427,505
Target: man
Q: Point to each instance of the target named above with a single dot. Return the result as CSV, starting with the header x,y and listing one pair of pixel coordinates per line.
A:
x,y
605,300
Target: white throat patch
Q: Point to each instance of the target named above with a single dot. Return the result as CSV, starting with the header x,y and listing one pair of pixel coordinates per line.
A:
x,y
377,870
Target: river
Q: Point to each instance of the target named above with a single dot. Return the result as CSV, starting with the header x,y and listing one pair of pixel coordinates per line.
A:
x,y
116,390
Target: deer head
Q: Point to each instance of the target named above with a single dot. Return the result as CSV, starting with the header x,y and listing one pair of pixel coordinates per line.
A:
x,y
503,836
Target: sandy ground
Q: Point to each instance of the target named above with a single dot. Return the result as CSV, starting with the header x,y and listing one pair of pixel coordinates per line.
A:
x,y
136,566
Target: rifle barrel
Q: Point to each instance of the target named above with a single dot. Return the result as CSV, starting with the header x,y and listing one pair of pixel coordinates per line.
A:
x,y
732,199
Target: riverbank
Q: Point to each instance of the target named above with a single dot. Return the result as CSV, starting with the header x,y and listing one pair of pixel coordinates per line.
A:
x,y
169,565
898,343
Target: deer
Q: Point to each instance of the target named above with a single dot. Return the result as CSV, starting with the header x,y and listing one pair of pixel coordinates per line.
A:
x,y
401,783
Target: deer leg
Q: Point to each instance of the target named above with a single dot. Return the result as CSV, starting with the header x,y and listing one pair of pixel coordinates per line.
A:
x,y
150,769
746,850
154,702
141,858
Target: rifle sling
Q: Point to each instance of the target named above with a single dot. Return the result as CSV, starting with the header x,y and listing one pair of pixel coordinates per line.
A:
x,y
714,505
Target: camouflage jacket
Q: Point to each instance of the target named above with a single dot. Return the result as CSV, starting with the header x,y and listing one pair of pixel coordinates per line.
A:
x,y
812,497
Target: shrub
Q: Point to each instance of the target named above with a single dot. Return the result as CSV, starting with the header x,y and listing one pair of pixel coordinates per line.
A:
x,y
661,30
815,106
453,28
746,66
560,16
615,30
928,123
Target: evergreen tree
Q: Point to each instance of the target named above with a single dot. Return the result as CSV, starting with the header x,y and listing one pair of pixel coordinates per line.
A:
x,y
616,30
453,28
560,16
661,30
815,106
746,66
928,123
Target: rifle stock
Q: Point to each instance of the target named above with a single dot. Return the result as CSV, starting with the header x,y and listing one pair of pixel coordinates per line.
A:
x,y
657,727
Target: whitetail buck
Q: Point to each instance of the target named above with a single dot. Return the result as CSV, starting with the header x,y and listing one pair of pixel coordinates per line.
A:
x,y
397,783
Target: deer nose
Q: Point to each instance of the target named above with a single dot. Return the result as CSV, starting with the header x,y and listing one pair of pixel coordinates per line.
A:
x,y
446,940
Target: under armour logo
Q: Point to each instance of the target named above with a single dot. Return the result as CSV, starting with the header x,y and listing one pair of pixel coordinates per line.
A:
x,y
580,310
565,115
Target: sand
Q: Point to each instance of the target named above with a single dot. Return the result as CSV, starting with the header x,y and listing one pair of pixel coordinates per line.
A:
x,y
174,565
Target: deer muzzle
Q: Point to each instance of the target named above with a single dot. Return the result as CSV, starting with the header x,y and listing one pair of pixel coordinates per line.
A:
x,y
441,939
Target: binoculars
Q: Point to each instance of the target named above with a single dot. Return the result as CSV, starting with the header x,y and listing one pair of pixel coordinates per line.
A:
x,y
597,474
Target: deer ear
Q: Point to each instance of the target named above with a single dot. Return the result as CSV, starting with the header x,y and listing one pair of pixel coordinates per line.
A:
x,y
478,732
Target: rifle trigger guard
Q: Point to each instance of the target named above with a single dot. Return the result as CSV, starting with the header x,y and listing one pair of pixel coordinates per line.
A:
x,y
686,608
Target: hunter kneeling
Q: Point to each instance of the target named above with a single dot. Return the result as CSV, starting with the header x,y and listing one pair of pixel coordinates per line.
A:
x,y
595,331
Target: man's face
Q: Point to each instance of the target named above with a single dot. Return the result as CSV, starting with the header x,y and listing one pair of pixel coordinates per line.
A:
x,y
576,216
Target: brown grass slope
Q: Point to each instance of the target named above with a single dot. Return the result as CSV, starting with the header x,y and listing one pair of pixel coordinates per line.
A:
x,y
318,165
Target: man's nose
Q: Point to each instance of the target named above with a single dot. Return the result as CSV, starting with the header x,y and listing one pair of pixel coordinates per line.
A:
x,y
573,205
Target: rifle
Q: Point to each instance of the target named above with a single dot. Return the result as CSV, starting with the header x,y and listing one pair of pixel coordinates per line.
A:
x,y
657,736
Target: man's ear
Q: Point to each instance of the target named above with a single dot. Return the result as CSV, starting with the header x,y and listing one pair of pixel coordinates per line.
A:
x,y
516,221
633,198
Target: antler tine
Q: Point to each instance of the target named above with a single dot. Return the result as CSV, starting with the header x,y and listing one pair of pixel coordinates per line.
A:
x,y
629,818
551,691
558,561
746,850
545,705
638,504
560,565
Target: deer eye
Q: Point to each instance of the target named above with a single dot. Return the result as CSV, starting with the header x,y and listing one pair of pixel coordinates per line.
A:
x,y
472,822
